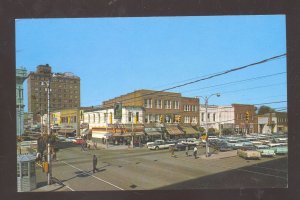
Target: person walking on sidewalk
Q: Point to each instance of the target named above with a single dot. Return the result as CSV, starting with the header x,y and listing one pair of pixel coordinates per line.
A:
x,y
195,152
94,163
187,150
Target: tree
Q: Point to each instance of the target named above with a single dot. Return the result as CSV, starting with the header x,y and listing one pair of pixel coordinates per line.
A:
x,y
201,130
211,131
265,109
227,131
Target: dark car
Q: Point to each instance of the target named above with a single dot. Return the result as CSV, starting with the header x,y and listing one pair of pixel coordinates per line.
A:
x,y
225,147
180,147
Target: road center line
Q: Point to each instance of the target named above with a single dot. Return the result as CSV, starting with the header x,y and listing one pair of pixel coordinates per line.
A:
x,y
69,188
92,175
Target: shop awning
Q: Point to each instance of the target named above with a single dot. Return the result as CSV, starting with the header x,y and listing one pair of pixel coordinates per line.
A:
x,y
99,134
127,134
153,133
188,129
67,130
173,130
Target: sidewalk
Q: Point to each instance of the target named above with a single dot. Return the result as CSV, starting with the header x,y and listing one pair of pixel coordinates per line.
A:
x,y
51,188
220,155
114,147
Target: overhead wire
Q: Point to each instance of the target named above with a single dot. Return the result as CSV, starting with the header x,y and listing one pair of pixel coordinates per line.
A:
x,y
203,79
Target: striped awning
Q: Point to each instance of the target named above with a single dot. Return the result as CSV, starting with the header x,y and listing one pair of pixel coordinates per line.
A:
x,y
127,134
173,130
188,129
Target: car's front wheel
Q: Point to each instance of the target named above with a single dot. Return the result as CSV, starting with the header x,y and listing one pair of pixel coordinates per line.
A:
x,y
156,148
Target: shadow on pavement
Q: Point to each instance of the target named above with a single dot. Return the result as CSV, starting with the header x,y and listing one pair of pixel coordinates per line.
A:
x,y
269,174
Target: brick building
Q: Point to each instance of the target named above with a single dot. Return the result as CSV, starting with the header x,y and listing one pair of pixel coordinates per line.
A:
x,y
242,125
65,91
164,107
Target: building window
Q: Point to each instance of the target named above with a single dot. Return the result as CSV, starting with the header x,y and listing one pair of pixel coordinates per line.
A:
x,y
148,103
176,104
194,120
202,117
187,108
208,117
168,104
158,104
187,119
194,108
129,116
214,117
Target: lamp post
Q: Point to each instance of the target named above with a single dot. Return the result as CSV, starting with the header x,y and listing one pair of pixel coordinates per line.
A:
x,y
49,175
206,124
132,129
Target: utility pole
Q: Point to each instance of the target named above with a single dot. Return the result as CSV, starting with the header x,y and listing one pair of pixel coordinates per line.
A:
x,y
206,120
48,86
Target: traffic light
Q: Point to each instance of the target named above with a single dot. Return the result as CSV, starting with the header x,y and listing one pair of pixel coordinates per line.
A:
x,y
161,119
135,119
110,118
179,118
247,116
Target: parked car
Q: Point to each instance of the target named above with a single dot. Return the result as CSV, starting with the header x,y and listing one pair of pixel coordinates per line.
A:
x,y
248,154
61,138
192,141
180,147
225,147
159,144
265,150
70,139
79,141
279,148
149,144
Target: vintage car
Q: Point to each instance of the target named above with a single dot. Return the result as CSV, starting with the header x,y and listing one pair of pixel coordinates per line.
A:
x,y
265,150
279,148
159,144
248,154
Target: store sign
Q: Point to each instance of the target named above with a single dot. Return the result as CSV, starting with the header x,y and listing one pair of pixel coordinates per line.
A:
x,y
118,111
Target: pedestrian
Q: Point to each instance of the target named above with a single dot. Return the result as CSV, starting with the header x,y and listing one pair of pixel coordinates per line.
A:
x,y
94,163
195,152
95,145
82,147
38,157
172,150
187,150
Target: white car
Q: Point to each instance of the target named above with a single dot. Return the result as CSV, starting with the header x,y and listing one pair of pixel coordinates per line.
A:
x,y
70,139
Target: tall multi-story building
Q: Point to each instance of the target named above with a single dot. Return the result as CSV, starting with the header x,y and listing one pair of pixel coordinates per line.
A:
x,y
21,75
64,93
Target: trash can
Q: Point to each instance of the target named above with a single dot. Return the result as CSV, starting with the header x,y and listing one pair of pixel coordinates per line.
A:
x,y
26,175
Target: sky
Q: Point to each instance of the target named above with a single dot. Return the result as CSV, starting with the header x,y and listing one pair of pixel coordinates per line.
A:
x,y
116,56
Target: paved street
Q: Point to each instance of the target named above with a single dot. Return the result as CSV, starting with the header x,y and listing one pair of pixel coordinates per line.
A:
x,y
143,169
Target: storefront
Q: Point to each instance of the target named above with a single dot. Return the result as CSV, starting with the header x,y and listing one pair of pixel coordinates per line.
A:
x,y
189,131
173,132
153,132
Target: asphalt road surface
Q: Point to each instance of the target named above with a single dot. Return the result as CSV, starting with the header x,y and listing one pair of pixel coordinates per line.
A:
x,y
143,169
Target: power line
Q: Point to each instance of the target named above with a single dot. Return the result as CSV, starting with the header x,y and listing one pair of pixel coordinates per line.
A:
x,y
209,77
246,89
233,82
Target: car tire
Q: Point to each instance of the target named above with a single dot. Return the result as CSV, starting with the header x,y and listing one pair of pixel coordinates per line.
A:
x,y
156,148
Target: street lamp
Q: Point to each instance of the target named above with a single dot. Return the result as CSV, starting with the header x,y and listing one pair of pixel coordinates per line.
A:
x,y
49,175
206,124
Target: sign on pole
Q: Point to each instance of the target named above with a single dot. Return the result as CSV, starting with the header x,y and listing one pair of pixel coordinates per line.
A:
x,y
118,111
